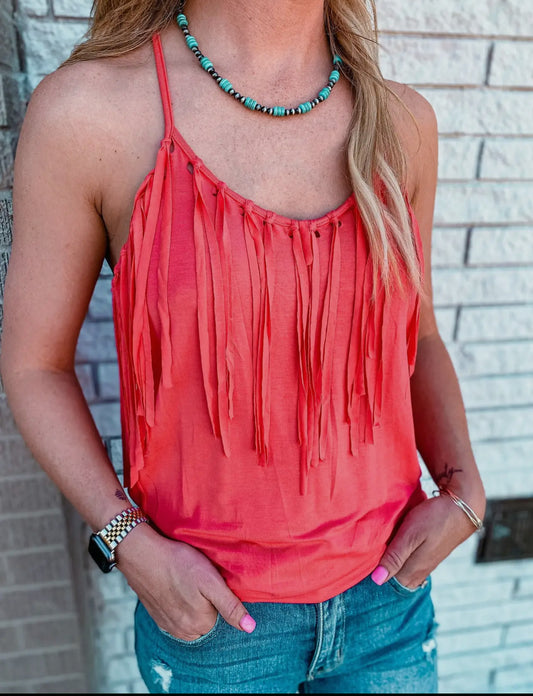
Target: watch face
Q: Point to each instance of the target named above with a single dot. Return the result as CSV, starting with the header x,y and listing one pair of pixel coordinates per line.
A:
x,y
101,553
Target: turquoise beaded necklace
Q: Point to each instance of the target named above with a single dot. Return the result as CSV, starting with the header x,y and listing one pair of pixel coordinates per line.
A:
x,y
248,102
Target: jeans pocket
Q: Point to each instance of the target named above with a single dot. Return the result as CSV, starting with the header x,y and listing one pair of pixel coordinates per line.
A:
x,y
404,591
197,641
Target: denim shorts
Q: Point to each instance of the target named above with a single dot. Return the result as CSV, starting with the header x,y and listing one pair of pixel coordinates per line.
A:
x,y
368,639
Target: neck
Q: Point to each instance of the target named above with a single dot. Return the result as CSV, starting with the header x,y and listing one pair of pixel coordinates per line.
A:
x,y
263,34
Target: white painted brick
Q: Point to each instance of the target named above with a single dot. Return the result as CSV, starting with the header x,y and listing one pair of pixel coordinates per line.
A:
x,y
515,454
499,17
471,682
515,484
513,680
448,246
496,323
3,107
484,359
108,381
477,111
84,374
507,158
6,160
106,271
501,245
115,453
48,43
448,572
129,638
519,633
110,587
462,642
490,615
458,157
34,8
512,64
525,588
480,202
499,658
494,424
109,643
123,668
138,687
118,688
107,418
446,317
498,391
465,594
428,61
72,8
96,342
101,306
117,614
477,286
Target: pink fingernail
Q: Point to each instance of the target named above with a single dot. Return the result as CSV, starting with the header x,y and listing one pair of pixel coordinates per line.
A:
x,y
247,623
380,575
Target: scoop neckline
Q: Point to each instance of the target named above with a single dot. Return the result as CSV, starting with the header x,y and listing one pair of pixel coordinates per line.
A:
x,y
251,205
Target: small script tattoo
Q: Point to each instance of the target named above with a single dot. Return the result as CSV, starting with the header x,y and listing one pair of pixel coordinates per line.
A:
x,y
119,493
446,476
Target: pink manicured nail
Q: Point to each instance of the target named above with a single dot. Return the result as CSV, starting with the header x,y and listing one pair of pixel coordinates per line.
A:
x,y
247,623
380,575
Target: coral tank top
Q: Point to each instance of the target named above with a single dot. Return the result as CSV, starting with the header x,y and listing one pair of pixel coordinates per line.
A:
x,y
265,401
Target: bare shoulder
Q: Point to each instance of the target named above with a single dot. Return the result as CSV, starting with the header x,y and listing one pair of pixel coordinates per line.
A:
x,y
416,124
72,97
93,91
411,111
85,112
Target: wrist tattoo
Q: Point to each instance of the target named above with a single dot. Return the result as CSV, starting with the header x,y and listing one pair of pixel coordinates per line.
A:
x,y
446,476
119,493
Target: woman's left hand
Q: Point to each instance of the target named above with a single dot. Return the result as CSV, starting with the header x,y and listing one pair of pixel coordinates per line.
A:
x,y
427,535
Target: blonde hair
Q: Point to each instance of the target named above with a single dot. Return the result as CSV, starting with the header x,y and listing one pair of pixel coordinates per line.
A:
x,y
375,158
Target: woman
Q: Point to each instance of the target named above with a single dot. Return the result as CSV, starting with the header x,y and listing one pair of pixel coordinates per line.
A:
x,y
265,199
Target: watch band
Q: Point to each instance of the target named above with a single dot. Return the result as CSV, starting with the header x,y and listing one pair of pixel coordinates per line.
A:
x,y
116,530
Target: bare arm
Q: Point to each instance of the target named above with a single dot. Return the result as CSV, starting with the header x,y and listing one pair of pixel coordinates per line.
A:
x,y
58,249
433,529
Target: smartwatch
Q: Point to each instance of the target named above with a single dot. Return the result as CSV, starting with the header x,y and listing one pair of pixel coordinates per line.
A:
x,y
102,544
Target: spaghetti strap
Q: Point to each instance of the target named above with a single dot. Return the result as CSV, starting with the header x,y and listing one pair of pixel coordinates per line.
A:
x,y
162,76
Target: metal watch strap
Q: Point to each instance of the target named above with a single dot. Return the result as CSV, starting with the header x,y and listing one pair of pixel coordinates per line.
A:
x,y
115,530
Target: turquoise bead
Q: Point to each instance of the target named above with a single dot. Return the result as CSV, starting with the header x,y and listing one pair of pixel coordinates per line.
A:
x,y
182,20
191,41
325,92
337,60
225,84
206,63
250,103
335,74
305,107
279,110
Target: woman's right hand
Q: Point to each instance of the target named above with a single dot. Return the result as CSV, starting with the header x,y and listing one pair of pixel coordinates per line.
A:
x,y
178,585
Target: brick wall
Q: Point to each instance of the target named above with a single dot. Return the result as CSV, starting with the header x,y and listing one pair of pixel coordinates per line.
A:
x,y
473,62
40,637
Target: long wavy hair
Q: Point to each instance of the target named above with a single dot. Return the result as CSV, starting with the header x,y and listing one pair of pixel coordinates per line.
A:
x,y
375,158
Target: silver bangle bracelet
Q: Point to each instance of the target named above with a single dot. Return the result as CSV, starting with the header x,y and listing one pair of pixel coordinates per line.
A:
x,y
476,521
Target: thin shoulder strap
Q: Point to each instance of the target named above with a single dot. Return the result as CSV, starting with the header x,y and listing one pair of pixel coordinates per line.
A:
x,y
162,76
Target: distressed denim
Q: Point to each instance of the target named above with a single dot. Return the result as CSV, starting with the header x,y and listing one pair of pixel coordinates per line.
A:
x,y
368,639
